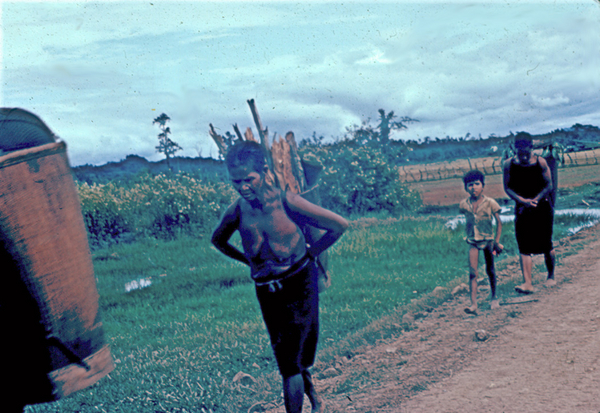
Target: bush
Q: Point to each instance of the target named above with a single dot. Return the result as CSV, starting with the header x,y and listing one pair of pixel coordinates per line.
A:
x,y
161,206
357,179
361,179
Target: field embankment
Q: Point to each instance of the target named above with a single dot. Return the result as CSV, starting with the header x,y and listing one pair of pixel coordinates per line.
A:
x,y
441,183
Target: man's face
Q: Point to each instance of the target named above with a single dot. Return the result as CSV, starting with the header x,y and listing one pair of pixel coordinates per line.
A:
x,y
246,181
524,154
475,188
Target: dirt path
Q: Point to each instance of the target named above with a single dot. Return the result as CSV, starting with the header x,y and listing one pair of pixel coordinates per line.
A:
x,y
541,355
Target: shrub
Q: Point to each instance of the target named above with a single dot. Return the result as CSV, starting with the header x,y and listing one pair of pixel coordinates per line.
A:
x,y
161,206
360,179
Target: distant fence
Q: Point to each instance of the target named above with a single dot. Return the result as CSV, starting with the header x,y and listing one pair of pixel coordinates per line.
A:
x,y
489,166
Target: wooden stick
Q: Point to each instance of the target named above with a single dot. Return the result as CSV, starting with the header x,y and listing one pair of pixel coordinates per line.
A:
x,y
249,135
297,168
521,301
263,133
237,132
219,140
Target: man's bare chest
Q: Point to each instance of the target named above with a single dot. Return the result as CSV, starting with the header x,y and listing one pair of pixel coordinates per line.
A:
x,y
273,223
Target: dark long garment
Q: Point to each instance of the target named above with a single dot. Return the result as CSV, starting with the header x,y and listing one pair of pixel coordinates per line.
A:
x,y
291,314
533,226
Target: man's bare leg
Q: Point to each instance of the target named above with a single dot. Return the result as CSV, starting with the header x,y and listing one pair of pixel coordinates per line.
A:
x,y
293,393
473,275
526,267
550,259
309,388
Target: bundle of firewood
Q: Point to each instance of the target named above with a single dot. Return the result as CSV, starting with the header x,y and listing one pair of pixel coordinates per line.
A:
x,y
292,173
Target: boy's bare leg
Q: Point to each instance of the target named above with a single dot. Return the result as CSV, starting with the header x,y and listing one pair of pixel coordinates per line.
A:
x,y
315,401
526,266
550,259
491,272
293,393
473,275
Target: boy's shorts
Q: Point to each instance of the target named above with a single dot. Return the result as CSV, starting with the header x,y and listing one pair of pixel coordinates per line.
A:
x,y
481,245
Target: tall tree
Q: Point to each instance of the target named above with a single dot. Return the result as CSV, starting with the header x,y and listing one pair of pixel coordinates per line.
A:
x,y
367,134
165,144
388,124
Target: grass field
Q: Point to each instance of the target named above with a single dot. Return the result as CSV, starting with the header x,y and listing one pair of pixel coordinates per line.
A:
x,y
179,342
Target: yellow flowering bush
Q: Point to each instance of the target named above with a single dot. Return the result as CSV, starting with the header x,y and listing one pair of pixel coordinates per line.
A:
x,y
163,206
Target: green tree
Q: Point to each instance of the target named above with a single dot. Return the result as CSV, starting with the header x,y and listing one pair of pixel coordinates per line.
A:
x,y
367,134
388,124
165,145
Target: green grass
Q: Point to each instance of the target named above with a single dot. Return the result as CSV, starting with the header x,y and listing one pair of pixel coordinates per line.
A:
x,y
178,343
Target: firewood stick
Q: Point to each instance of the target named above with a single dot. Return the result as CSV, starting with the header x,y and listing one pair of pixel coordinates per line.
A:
x,y
218,140
528,300
263,133
249,135
237,132
297,168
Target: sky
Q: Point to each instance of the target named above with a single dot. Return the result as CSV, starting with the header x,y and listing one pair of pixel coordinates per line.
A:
x,y
98,73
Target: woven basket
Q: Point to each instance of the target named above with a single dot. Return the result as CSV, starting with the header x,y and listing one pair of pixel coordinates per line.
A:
x,y
44,238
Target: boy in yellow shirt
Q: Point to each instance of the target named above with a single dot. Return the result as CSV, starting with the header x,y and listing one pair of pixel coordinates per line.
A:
x,y
479,211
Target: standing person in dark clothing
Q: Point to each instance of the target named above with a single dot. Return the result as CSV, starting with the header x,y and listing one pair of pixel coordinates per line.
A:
x,y
528,181
281,263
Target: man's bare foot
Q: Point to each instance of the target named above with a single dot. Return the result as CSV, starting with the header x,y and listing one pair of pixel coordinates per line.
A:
x,y
471,310
550,282
524,289
494,304
319,407
316,402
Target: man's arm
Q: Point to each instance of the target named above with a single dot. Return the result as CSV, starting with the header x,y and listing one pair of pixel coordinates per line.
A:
x,y
318,217
506,178
547,179
227,226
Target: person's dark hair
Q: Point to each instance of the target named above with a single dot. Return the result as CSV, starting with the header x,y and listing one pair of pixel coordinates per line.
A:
x,y
474,175
523,140
246,153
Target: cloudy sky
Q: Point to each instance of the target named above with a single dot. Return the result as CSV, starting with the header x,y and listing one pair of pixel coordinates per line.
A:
x,y
98,73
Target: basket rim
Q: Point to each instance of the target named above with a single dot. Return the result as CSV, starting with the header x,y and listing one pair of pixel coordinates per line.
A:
x,y
24,155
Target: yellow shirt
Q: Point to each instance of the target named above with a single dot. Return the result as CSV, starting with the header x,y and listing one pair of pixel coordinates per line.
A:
x,y
479,224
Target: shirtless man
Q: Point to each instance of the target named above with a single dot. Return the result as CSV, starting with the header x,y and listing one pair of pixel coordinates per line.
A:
x,y
281,263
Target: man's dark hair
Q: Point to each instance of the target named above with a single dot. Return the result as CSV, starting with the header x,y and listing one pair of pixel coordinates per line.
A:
x,y
246,153
523,140
474,175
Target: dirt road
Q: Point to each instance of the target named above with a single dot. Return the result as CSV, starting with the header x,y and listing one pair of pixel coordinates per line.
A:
x,y
541,356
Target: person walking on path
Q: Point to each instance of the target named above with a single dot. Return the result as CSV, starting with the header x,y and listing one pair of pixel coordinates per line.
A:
x,y
480,212
282,264
528,181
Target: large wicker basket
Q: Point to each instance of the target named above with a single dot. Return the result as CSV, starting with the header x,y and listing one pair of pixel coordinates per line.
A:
x,y
49,302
